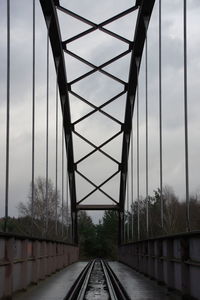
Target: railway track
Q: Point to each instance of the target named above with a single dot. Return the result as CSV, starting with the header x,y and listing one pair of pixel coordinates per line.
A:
x,y
97,281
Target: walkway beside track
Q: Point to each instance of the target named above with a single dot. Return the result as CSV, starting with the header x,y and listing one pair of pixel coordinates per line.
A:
x,y
136,285
55,287
140,287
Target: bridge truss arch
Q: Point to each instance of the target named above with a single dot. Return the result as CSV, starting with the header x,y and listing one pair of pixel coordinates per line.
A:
x,y
143,8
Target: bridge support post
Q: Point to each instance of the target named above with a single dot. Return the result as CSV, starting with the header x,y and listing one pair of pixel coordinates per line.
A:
x,y
169,263
36,255
23,273
151,260
159,262
185,276
74,227
8,277
120,227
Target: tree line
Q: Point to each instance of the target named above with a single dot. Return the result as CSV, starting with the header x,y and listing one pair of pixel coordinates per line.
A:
x,y
52,220
174,215
49,218
98,240
46,217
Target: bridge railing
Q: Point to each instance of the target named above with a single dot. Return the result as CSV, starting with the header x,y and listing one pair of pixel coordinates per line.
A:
x,y
25,261
171,260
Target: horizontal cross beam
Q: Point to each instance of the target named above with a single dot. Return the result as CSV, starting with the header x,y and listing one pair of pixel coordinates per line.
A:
x,y
97,207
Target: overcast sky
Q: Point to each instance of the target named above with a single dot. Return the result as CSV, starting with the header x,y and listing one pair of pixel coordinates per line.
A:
x,y
98,48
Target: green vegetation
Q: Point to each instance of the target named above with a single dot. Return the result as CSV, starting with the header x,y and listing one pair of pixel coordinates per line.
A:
x,y
98,240
174,218
47,216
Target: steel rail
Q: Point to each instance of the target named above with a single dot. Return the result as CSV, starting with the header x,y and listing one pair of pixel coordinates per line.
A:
x,y
80,286
111,290
80,282
114,286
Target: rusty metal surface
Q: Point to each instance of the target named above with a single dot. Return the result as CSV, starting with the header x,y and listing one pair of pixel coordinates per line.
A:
x,y
25,261
171,260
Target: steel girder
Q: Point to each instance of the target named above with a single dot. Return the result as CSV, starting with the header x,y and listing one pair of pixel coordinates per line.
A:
x,y
145,8
139,40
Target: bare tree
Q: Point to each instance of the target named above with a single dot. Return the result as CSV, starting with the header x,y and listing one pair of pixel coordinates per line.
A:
x,y
171,210
46,210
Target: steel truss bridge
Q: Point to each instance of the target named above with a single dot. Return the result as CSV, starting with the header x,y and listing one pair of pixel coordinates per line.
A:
x,y
111,154
135,48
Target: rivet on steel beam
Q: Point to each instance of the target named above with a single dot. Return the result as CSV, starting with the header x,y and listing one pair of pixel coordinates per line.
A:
x,y
57,2
72,126
120,167
131,46
126,86
64,45
123,127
